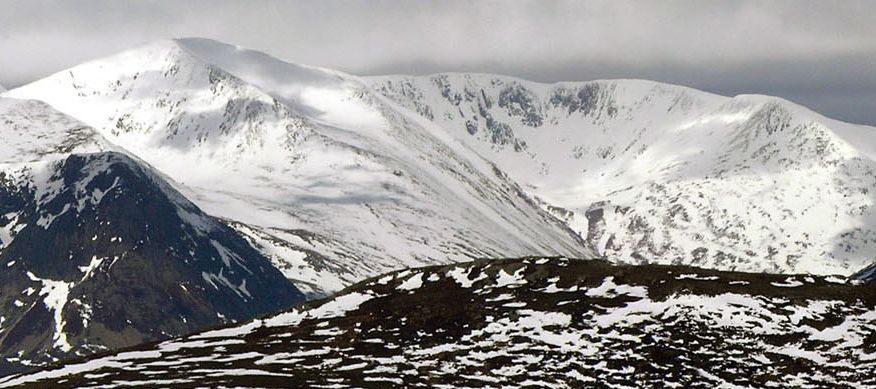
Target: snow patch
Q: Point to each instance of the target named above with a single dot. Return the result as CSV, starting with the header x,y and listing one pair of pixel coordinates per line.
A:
x,y
412,283
54,294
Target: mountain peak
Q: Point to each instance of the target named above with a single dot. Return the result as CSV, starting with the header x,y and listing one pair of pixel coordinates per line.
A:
x,y
256,67
302,88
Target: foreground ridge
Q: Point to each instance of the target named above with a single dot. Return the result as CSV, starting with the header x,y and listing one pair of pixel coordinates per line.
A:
x,y
532,322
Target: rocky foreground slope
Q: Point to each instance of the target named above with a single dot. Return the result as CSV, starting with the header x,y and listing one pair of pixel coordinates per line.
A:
x,y
535,322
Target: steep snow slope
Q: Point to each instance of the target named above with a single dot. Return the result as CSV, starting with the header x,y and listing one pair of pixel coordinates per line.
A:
x,y
537,322
647,172
333,182
98,252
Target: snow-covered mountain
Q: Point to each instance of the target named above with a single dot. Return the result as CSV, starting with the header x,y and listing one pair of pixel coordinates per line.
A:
x,y
332,181
648,172
337,177
536,322
98,252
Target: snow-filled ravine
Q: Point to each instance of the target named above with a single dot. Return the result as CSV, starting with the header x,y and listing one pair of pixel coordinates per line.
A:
x,y
534,322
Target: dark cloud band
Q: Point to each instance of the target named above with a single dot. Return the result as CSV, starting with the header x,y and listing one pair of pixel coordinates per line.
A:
x,y
820,54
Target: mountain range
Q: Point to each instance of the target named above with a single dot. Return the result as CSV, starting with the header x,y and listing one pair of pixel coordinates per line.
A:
x,y
456,166
189,183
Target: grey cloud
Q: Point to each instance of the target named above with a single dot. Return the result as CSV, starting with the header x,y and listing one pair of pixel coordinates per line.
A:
x,y
820,54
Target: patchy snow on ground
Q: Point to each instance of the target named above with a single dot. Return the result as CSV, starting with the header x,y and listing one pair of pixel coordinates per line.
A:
x,y
511,326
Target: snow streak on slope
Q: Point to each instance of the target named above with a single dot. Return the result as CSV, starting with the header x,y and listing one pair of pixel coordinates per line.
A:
x,y
648,172
535,322
331,181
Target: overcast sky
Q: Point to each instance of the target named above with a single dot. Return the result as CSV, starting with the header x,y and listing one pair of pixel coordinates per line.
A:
x,y
820,54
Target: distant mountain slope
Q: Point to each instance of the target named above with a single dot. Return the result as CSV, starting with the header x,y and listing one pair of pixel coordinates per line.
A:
x,y
549,323
648,172
99,252
867,274
332,181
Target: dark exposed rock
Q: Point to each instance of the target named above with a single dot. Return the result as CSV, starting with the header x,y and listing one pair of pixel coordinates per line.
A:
x,y
592,99
116,257
519,101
